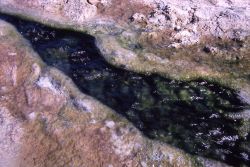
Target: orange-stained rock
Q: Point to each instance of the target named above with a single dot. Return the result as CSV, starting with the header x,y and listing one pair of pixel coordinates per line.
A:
x,y
45,121
155,36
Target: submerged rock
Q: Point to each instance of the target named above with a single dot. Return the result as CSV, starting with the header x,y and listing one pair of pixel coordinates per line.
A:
x,y
155,105
46,121
179,39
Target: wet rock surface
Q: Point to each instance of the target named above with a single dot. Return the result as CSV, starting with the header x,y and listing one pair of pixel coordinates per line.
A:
x,y
198,116
166,37
46,121
206,43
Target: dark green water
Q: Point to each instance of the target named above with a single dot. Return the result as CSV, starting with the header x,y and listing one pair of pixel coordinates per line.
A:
x,y
188,115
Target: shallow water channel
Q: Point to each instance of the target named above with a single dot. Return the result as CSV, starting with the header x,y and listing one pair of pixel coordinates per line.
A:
x,y
192,116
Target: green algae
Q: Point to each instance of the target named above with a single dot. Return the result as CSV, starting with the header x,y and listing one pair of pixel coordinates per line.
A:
x,y
157,110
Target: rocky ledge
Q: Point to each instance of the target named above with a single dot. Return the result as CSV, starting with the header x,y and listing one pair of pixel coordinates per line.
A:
x,y
46,121
179,39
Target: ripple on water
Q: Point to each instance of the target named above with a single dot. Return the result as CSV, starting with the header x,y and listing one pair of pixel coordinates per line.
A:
x,y
201,117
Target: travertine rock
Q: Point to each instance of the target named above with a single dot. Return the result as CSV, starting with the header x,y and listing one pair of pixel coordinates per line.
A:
x,y
46,121
188,20
127,32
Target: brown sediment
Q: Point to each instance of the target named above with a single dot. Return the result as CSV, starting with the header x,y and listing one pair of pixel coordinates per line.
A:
x,y
156,39
46,121
54,132
122,11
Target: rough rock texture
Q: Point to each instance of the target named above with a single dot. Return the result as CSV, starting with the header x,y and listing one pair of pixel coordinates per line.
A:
x,y
46,121
187,21
155,35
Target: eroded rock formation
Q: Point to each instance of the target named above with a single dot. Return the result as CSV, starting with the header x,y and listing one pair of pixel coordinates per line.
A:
x,y
142,35
187,21
46,121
